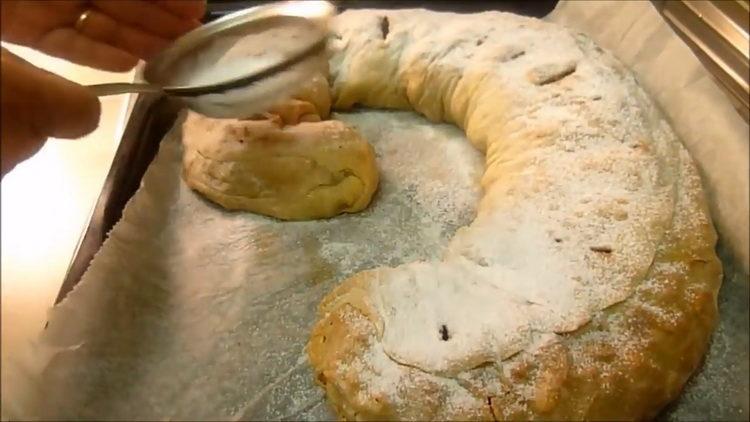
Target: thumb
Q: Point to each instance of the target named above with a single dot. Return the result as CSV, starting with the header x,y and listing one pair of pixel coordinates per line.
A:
x,y
36,105
49,105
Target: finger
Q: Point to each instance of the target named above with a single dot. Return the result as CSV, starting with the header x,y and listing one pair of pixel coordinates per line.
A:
x,y
68,44
19,138
190,9
101,27
147,16
70,110
59,107
37,104
12,151
25,21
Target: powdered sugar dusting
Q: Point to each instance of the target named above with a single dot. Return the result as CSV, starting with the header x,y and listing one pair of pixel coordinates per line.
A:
x,y
443,186
579,184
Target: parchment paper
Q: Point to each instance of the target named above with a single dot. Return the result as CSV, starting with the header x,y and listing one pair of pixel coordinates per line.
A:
x,y
190,312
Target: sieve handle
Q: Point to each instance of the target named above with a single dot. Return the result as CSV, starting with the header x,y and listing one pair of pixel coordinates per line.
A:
x,y
101,90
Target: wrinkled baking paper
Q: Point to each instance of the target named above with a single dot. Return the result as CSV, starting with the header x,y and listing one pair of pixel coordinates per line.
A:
x,y
191,312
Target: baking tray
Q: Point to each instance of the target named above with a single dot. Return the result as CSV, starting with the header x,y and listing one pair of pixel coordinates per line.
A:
x,y
719,391
150,119
717,33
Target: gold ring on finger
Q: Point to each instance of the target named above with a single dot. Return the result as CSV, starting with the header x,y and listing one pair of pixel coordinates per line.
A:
x,y
98,26
82,19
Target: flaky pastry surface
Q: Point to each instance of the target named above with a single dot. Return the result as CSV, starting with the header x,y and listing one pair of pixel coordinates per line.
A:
x,y
586,286
288,163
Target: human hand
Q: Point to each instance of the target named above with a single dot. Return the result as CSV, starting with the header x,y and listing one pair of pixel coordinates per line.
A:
x,y
105,34
37,104
112,36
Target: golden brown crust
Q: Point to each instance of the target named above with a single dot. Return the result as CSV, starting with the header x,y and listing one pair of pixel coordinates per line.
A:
x,y
633,355
303,171
626,364
286,163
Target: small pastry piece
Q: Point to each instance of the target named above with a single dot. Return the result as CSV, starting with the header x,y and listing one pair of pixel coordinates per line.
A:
x,y
296,172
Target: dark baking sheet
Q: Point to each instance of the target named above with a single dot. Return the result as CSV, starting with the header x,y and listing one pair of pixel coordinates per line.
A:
x,y
152,116
719,391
